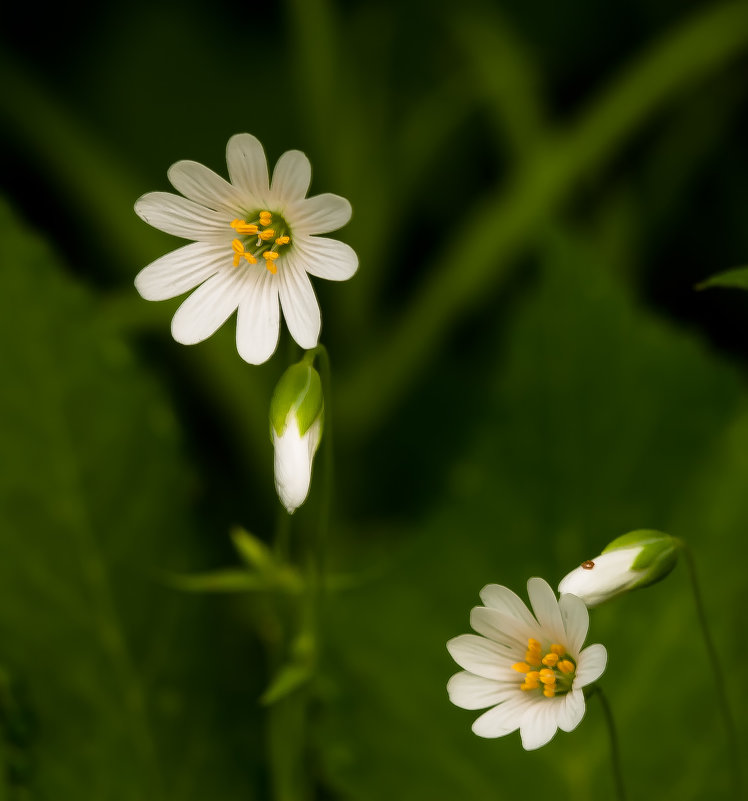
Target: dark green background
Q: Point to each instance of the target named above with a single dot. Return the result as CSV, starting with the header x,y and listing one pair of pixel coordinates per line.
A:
x,y
522,372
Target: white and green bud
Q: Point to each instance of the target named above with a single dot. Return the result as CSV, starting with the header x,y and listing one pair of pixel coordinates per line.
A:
x,y
296,421
636,559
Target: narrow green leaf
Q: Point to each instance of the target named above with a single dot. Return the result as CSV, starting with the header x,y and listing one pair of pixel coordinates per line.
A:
x,y
736,278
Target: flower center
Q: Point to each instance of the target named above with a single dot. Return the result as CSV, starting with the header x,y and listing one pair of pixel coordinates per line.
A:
x,y
264,237
551,672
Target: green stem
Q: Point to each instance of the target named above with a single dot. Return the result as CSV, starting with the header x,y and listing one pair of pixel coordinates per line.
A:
x,y
615,752
720,684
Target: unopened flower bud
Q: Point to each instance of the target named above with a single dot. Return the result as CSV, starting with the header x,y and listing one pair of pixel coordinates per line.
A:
x,y
636,559
296,420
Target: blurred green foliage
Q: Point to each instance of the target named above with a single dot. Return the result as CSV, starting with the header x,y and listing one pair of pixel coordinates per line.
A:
x,y
522,372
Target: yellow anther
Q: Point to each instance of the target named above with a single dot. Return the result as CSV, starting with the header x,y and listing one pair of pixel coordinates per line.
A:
x,y
547,676
243,227
282,240
533,676
549,660
530,682
240,253
267,234
557,649
548,692
566,666
533,645
532,659
265,218
270,256
526,686
521,667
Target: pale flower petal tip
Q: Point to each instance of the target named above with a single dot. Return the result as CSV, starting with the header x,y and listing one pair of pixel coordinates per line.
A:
x,y
255,242
530,670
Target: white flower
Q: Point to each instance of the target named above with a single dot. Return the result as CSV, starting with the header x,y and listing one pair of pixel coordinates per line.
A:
x,y
546,651
636,559
254,242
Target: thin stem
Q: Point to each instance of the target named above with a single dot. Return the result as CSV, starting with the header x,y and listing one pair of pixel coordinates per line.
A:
x,y
615,752
719,679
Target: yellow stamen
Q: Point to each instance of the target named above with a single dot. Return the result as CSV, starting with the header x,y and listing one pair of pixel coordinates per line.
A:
x,y
265,218
550,660
532,659
243,227
548,692
239,252
557,649
547,676
521,667
266,235
566,666
270,257
533,645
282,240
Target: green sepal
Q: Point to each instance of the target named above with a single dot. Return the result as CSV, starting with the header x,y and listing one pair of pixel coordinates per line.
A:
x,y
737,278
299,392
253,550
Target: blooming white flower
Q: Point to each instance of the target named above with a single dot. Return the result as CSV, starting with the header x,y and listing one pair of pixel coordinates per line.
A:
x,y
636,559
546,650
254,241
296,420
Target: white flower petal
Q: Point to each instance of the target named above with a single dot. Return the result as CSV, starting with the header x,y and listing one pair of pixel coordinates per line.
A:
x,y
294,454
182,217
248,167
539,723
571,710
591,666
495,596
326,258
196,182
181,270
504,718
576,622
299,303
258,318
481,656
291,178
469,691
501,628
545,607
318,214
609,574
208,307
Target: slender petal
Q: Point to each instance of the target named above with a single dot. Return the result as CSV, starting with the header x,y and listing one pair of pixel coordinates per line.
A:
x,y
545,606
576,621
196,182
501,628
248,167
326,258
571,710
294,453
258,319
480,656
291,177
299,303
208,307
182,217
318,214
502,719
469,691
495,596
181,270
592,662
539,723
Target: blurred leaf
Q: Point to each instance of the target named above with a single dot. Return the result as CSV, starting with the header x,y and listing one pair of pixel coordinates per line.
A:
x,y
602,419
96,496
736,278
